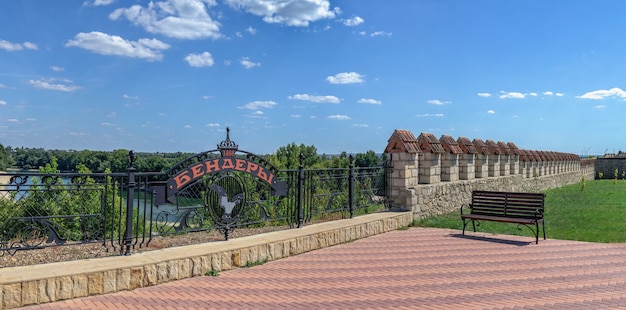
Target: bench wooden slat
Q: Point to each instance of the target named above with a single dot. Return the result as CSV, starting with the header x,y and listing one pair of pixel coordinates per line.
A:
x,y
509,207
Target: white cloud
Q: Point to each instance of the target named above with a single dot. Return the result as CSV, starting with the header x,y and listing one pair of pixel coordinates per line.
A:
x,y
213,125
491,112
57,69
54,84
205,97
361,125
200,60
369,101
125,96
188,127
295,115
484,95
345,78
603,94
251,30
289,12
188,19
98,2
316,99
380,33
430,115
3,86
245,61
2,102
355,21
559,94
600,106
339,117
12,47
438,102
105,44
533,94
512,95
13,120
255,105
548,93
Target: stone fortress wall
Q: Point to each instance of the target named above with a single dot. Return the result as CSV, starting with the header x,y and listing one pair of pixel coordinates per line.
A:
x,y
433,176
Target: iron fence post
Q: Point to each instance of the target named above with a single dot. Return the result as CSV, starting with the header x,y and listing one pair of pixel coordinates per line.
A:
x,y
130,197
300,190
351,186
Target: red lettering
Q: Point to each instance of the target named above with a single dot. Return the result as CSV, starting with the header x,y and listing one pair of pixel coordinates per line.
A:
x,y
263,175
197,171
182,178
212,165
228,164
252,167
240,165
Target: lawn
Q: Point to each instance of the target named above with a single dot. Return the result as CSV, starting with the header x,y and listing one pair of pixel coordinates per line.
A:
x,y
595,212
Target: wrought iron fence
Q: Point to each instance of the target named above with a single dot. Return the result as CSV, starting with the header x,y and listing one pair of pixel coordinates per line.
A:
x,y
123,211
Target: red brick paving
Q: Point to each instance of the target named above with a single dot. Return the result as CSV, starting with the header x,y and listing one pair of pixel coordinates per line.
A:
x,y
419,268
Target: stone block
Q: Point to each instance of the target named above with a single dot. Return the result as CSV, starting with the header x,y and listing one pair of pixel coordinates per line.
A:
x,y
136,278
95,284
64,288
11,296
80,286
150,275
122,281
47,290
109,281
30,291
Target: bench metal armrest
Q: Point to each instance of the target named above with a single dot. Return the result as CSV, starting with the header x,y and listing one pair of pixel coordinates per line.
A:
x,y
468,206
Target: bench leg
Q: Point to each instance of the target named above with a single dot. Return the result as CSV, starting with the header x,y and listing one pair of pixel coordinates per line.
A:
x,y
543,226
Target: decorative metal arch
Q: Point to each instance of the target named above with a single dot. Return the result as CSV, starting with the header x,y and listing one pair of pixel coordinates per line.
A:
x,y
222,182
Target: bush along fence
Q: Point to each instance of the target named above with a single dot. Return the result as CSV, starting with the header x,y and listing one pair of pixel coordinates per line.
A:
x,y
221,190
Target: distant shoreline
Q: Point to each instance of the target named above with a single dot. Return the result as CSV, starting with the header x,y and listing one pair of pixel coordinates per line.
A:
x,y
4,180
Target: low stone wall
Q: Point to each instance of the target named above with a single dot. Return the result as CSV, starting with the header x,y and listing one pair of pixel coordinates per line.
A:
x,y
21,286
436,199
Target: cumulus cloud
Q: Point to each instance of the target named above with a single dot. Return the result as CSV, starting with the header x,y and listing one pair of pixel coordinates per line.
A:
x,y
315,98
200,60
2,102
57,69
338,117
491,112
54,84
438,102
346,78
604,93
12,47
289,12
369,101
213,125
255,105
512,95
355,21
248,64
484,95
187,19
105,44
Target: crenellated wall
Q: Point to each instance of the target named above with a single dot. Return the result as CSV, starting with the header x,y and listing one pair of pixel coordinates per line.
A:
x,y
427,181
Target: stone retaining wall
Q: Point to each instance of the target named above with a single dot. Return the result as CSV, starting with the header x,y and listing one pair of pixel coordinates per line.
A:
x,y
436,199
21,286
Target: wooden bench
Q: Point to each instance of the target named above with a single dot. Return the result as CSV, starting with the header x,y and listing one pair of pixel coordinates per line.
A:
x,y
508,207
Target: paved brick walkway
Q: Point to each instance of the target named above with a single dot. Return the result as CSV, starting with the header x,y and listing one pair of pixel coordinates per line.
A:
x,y
419,268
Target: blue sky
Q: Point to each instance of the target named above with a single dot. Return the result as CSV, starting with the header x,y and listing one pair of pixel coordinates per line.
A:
x,y
172,75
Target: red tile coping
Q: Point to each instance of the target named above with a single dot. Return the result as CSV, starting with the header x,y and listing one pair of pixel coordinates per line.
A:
x,y
402,141
449,145
429,143
466,145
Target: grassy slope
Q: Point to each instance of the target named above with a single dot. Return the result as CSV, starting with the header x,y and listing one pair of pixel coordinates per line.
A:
x,y
597,213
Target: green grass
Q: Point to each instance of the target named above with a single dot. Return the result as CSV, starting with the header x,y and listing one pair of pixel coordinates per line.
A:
x,y
596,214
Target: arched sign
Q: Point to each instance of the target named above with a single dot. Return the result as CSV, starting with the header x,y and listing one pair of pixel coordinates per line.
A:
x,y
227,161
223,164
